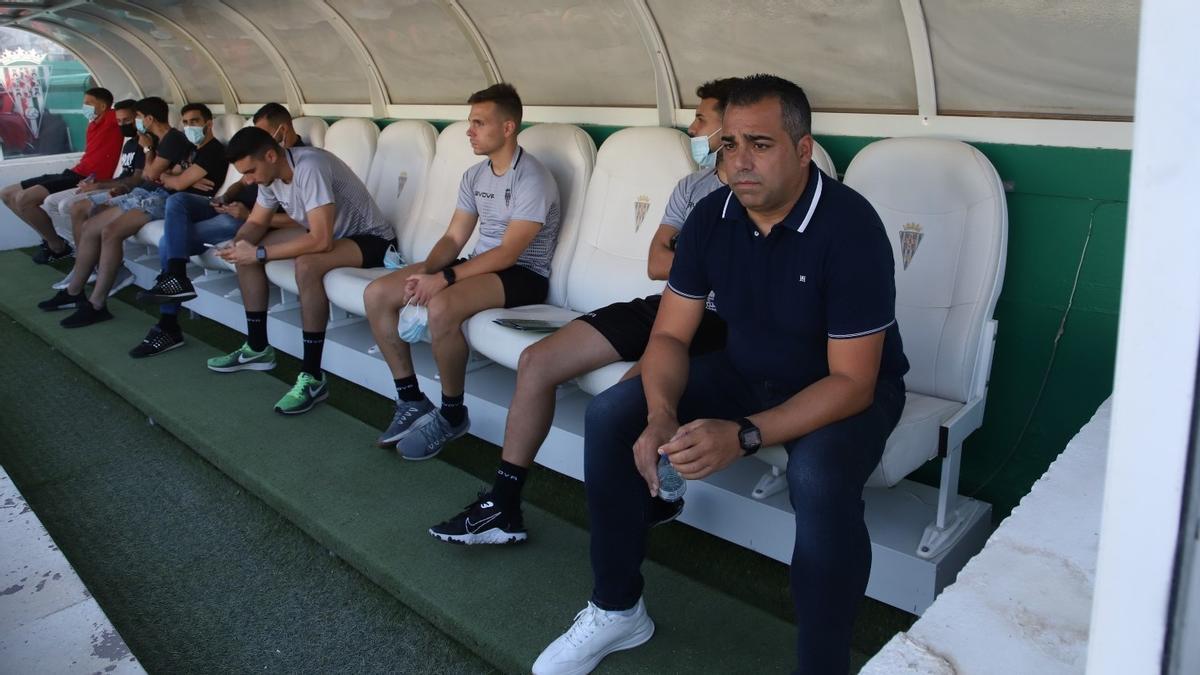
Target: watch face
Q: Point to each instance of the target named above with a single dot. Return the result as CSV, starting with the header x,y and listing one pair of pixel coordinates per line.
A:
x,y
751,438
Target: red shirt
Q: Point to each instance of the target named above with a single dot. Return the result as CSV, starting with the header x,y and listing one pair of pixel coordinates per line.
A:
x,y
101,147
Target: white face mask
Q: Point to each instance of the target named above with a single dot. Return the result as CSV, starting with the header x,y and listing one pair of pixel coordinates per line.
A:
x,y
194,134
701,153
89,112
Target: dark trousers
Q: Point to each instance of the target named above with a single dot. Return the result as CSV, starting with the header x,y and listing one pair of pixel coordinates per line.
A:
x,y
826,472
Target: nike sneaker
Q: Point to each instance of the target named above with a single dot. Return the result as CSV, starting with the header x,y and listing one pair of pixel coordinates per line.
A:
x,y
482,522
306,393
243,358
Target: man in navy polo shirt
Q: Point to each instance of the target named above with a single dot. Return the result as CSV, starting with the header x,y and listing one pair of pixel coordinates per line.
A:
x,y
813,361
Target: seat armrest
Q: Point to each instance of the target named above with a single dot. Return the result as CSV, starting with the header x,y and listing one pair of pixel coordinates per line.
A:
x,y
960,425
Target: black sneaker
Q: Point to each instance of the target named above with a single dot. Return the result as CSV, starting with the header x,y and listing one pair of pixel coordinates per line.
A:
x,y
156,342
61,300
86,315
46,255
168,288
483,522
662,511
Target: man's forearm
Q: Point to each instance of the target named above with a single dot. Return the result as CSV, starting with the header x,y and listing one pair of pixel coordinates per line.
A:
x,y
302,245
664,374
251,232
444,252
492,260
828,400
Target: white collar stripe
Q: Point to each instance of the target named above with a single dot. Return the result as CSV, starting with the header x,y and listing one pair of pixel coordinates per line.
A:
x,y
812,208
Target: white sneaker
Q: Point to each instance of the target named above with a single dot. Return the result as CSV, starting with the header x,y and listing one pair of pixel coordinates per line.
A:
x,y
595,634
66,281
124,278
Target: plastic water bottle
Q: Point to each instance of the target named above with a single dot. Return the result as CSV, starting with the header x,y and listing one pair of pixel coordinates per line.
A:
x,y
671,486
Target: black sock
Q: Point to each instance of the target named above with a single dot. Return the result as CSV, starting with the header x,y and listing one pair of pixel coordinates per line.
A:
x,y
510,478
407,389
453,409
169,323
177,267
256,330
314,344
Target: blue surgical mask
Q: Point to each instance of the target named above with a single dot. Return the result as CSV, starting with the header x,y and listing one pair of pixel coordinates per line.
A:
x,y
701,153
194,134
140,124
89,112
413,326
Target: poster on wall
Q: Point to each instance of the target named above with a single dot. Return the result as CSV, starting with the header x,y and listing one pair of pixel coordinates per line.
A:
x,y
24,83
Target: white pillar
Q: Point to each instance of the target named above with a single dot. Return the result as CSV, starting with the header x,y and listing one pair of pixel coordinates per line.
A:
x,y
1155,380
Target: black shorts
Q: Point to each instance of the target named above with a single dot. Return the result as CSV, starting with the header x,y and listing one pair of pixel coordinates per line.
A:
x,y
522,286
54,182
627,325
372,248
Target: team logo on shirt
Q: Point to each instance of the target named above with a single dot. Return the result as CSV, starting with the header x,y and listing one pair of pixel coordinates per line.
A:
x,y
640,207
401,180
507,198
910,239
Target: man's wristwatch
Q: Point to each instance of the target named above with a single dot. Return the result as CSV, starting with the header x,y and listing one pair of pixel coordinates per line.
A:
x,y
451,277
261,254
749,436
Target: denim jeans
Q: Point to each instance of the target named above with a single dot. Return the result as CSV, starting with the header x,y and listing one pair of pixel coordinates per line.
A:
x,y
149,202
827,470
190,223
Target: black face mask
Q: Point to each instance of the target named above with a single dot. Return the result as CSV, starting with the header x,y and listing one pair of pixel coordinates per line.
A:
x,y
128,130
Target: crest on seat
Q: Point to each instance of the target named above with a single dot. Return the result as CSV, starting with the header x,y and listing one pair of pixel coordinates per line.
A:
x,y
640,207
910,239
401,180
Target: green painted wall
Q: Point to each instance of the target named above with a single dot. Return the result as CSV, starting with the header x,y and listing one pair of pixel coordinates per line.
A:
x,y
1039,397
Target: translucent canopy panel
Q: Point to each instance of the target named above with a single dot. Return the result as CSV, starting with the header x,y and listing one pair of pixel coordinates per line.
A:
x,y
147,75
254,77
576,52
106,71
325,68
194,72
847,54
1061,58
423,55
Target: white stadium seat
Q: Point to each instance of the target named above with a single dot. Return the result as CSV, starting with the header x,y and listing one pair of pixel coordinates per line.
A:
x,y
570,155
353,140
431,214
943,206
636,170
823,160
311,130
226,125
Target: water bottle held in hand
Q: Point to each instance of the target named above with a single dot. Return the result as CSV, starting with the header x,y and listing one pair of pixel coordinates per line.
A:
x,y
671,486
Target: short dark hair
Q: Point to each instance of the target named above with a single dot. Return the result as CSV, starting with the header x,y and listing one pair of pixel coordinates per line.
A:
x,y
100,93
154,107
125,104
506,98
718,89
793,103
250,142
274,113
199,107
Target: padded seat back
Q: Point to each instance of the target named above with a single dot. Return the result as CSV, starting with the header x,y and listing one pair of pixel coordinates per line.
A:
x,y
226,125
353,141
823,160
454,156
636,170
570,155
400,169
311,130
944,209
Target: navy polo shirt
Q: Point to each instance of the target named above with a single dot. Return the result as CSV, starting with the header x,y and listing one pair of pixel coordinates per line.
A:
x,y
826,271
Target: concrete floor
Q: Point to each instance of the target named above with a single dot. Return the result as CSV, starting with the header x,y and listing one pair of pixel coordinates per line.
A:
x,y
49,622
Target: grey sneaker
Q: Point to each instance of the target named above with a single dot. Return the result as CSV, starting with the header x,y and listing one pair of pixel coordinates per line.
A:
x,y
428,439
409,415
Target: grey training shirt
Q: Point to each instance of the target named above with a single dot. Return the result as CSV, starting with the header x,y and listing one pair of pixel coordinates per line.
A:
x,y
687,193
320,178
526,191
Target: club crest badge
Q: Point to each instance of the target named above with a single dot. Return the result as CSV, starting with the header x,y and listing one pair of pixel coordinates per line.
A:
x,y
910,240
401,181
640,207
24,80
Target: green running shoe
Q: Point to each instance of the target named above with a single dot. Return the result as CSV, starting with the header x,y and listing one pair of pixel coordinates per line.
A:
x,y
243,358
306,393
